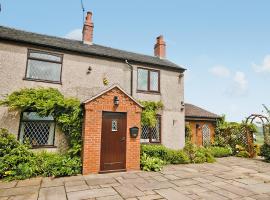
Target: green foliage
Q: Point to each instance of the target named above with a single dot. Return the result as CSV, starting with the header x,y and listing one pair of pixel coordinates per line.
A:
x,y
198,154
149,113
49,101
265,152
17,161
151,163
231,134
190,154
187,133
241,152
219,152
158,151
177,157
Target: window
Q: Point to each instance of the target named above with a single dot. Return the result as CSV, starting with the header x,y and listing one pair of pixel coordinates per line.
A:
x,y
206,134
152,135
44,66
39,131
148,80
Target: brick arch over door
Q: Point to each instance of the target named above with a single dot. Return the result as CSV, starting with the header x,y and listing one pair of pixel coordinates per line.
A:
x,y
92,129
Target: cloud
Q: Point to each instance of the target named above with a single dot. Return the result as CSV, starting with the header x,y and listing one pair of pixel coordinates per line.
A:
x,y
75,34
264,66
220,71
240,84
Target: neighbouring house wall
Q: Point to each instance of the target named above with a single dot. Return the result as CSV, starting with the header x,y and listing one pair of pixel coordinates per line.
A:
x,y
77,83
196,134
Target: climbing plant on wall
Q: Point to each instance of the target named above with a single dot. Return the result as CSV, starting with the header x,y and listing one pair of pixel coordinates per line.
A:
x,y
67,112
149,113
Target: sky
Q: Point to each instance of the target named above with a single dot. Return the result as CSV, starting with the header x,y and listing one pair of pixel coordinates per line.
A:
x,y
223,44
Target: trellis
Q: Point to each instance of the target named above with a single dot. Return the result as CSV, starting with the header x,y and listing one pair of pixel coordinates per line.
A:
x,y
249,134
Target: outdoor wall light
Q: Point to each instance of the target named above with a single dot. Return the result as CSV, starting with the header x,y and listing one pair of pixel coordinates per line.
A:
x,y
134,132
116,101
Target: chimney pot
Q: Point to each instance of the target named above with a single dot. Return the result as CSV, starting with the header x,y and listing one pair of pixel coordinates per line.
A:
x,y
88,28
160,47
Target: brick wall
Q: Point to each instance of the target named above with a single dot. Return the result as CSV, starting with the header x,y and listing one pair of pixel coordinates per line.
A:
x,y
93,124
198,139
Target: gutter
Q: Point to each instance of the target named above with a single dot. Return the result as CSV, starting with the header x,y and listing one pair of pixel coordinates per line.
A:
x,y
131,77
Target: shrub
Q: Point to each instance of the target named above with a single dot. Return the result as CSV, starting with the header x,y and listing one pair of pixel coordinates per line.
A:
x,y
165,154
151,163
219,152
243,154
158,151
190,149
55,164
177,157
17,161
265,152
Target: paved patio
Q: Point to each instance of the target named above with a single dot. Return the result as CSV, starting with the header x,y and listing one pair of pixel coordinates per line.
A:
x,y
228,178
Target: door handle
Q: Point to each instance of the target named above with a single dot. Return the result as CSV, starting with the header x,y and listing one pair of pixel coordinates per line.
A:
x,y
123,139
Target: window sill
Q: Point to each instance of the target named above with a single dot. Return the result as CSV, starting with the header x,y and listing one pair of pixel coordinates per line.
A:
x,y
148,92
40,80
151,143
44,147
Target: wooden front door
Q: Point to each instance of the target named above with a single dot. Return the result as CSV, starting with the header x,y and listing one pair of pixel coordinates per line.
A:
x,y
113,141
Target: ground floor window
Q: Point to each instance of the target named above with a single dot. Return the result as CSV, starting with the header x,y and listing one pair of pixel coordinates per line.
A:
x,y
39,131
152,135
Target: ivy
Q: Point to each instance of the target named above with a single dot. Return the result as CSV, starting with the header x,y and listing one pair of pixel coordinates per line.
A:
x,y
67,112
149,114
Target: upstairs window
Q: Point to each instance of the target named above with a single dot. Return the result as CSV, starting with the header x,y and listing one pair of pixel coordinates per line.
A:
x,y
148,80
39,131
44,66
152,135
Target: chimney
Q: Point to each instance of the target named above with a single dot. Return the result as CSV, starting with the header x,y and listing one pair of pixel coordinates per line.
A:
x,y
88,28
160,47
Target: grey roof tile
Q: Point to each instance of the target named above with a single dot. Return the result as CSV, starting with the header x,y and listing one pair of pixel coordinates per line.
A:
x,y
197,112
16,35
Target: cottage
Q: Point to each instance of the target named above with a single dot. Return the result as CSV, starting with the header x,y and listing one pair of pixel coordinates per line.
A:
x,y
202,124
109,82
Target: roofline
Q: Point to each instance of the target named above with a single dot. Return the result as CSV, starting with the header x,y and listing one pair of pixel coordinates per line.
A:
x,y
181,69
201,117
107,90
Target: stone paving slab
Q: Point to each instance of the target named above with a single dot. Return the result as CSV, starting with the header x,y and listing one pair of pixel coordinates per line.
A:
x,y
228,178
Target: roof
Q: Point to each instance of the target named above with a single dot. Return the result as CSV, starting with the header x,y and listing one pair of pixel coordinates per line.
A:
x,y
11,34
192,111
110,88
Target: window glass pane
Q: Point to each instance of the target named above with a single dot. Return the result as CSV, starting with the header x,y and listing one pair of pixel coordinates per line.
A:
x,y
38,133
154,81
114,125
142,79
43,70
155,132
35,116
45,56
145,134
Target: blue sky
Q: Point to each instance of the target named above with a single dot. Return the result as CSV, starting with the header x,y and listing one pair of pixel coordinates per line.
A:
x,y
224,44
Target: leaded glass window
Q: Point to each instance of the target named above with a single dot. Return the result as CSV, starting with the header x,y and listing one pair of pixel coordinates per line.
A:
x,y
148,80
37,130
44,66
206,134
152,135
